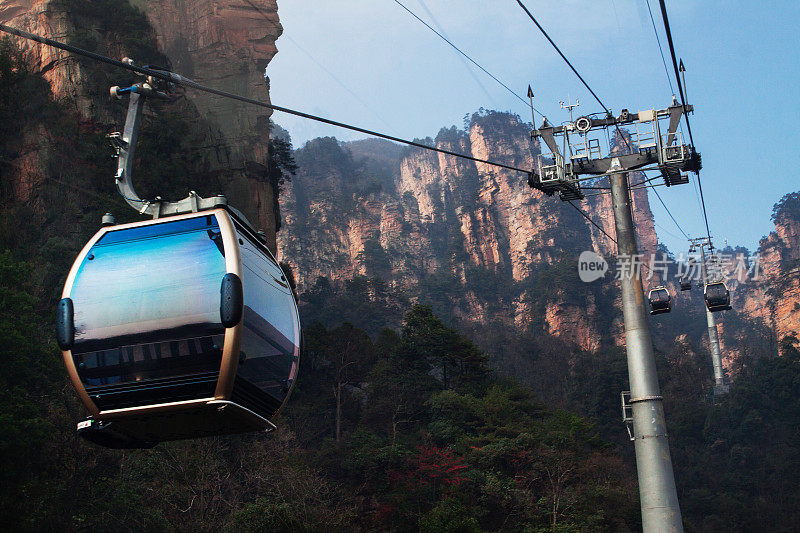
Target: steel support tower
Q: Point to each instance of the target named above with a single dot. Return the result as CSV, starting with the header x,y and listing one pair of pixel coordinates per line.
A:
x,y
647,149
720,387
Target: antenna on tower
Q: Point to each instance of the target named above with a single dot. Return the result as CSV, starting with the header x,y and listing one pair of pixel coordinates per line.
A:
x,y
570,105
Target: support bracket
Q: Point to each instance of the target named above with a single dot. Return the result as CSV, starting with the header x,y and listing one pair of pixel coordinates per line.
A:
x,y
124,145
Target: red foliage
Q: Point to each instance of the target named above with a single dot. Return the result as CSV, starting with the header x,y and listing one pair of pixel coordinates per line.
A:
x,y
431,467
436,464
428,475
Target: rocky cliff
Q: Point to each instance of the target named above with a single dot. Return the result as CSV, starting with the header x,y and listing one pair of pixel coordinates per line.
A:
x,y
488,249
225,44
50,19
775,295
431,223
473,237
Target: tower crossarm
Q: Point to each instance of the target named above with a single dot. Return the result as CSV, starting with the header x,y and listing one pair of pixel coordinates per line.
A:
x,y
647,144
625,117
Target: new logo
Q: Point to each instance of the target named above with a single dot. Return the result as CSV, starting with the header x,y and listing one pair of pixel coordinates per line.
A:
x,y
591,266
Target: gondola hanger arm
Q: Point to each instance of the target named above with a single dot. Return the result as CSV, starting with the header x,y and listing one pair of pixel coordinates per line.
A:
x,y
125,146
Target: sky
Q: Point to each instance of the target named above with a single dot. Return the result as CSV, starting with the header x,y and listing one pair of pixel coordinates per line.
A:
x,y
369,63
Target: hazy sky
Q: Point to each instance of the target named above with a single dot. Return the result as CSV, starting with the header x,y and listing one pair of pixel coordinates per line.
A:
x,y
369,63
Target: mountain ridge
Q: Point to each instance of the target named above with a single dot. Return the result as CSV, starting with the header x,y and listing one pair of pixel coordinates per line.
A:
x,y
429,223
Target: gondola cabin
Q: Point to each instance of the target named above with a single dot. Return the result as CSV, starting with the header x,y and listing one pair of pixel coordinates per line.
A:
x,y
660,300
718,297
176,328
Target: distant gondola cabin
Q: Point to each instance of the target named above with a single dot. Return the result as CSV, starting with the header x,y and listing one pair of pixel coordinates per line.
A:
x,y
660,300
718,297
178,327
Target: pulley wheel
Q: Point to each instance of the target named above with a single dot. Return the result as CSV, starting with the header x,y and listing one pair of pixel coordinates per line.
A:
x,y
583,124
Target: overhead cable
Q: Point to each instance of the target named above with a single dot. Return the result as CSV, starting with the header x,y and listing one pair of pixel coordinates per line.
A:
x,y
683,102
180,80
670,214
448,41
563,56
470,70
660,48
601,102
642,185
322,67
569,63
595,224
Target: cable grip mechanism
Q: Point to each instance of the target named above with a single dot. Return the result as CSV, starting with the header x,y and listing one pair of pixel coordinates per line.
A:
x,y
124,145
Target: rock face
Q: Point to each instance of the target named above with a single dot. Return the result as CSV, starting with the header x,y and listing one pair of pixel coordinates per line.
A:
x,y
59,68
477,237
775,297
766,301
781,251
502,250
225,44
494,251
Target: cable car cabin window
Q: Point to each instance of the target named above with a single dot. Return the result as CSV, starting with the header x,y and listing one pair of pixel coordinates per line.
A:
x,y
270,337
147,305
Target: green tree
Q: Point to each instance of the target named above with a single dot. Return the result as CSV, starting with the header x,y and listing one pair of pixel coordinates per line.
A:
x,y
789,346
281,167
27,374
427,341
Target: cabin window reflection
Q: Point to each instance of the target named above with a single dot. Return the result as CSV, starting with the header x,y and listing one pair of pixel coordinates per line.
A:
x,y
150,361
147,303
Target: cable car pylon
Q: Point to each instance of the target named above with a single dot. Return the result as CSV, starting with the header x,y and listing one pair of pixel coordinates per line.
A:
x,y
181,326
574,151
717,298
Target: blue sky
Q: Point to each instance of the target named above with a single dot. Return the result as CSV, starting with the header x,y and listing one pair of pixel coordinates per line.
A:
x,y
368,62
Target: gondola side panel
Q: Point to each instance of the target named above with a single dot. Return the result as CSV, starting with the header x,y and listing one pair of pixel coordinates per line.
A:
x,y
69,363
271,332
